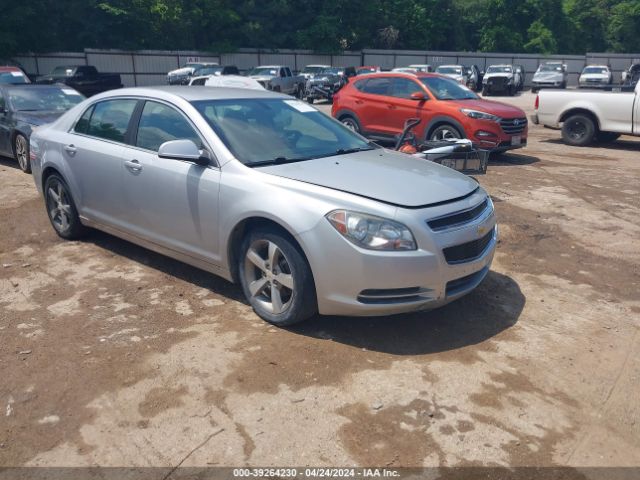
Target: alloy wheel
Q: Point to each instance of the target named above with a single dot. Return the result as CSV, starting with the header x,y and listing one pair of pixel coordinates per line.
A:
x,y
445,133
268,275
576,129
59,206
22,152
350,124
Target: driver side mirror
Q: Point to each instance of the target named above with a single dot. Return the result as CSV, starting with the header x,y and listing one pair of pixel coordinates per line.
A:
x,y
184,150
419,96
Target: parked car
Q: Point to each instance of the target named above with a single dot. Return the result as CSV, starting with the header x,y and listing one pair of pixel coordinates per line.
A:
x,y
182,75
377,106
550,75
266,191
84,78
589,115
595,76
422,67
502,79
310,70
216,70
231,81
13,75
404,70
23,108
365,70
279,79
323,85
631,75
457,72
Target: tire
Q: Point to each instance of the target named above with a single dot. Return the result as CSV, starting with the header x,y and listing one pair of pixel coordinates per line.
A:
x,y
276,89
61,209
578,130
351,122
564,85
21,152
534,90
299,93
310,100
281,294
511,91
607,137
445,132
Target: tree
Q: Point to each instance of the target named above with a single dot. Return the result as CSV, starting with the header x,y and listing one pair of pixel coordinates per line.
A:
x,y
623,28
541,39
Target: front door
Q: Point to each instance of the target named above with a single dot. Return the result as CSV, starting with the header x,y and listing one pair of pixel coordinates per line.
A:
x,y
401,107
5,127
172,203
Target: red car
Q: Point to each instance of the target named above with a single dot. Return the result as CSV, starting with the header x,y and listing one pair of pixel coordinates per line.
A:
x,y
13,75
378,105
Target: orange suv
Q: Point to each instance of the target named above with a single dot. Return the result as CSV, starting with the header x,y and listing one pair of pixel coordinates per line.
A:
x,y
377,106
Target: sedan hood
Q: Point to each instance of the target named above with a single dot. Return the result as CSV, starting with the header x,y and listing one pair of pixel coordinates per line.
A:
x,y
390,177
487,76
181,72
38,118
594,76
262,78
547,77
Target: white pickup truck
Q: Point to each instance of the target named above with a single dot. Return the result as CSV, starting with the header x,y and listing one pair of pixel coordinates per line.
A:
x,y
586,116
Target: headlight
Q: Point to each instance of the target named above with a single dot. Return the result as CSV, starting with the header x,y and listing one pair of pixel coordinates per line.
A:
x,y
370,232
479,115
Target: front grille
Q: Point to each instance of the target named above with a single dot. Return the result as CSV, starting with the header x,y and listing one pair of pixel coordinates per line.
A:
x,y
513,126
498,81
458,218
466,252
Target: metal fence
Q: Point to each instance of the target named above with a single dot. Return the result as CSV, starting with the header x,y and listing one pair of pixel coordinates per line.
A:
x,y
149,67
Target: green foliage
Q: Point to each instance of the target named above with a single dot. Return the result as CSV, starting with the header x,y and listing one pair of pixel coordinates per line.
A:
x,y
540,26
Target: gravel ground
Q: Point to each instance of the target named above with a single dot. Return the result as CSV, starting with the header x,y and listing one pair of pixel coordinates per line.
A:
x,y
112,355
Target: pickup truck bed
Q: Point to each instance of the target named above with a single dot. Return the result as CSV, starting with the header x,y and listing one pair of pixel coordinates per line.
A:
x,y
586,116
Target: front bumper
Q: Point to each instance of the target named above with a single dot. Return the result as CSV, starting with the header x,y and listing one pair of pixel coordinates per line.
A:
x,y
357,282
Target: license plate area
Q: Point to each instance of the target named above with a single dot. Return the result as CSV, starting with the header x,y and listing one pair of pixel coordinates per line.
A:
x,y
516,140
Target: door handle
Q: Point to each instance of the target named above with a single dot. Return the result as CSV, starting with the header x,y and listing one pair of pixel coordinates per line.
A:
x,y
70,149
133,165
391,107
359,102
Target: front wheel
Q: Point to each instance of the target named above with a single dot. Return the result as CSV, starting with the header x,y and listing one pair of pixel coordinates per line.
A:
x,y
21,151
351,123
61,209
445,132
578,130
276,278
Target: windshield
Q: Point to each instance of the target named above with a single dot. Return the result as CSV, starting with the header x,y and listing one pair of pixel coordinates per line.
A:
x,y
449,70
29,99
330,71
267,131
367,70
310,69
550,68
499,70
264,71
62,71
595,70
12,77
446,89
207,71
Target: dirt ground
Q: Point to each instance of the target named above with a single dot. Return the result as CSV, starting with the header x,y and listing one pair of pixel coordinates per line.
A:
x,y
112,355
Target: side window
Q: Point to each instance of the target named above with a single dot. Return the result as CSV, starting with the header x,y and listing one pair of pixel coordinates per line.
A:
x,y
3,104
110,119
377,86
287,71
160,123
359,85
83,124
403,88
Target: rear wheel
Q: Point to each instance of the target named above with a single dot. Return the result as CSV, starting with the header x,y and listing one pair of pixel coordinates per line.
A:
x,y
61,209
607,137
351,123
445,132
276,278
21,151
578,130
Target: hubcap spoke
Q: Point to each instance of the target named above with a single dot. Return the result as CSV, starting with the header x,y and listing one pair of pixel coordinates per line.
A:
x,y
274,252
276,300
64,220
285,279
55,197
254,258
257,286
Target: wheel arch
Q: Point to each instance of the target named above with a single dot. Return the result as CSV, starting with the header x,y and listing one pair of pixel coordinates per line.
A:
x,y
580,111
246,225
443,120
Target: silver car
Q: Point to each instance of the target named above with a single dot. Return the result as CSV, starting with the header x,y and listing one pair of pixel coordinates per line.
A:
x,y
265,190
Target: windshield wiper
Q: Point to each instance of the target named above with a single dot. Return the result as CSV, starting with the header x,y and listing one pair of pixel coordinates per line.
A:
x,y
277,161
344,151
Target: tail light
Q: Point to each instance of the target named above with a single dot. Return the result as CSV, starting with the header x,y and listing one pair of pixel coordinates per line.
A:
x,y
537,104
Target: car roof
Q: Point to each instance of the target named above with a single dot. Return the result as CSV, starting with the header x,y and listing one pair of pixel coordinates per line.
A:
x,y
451,65
597,66
402,75
10,68
501,65
34,86
191,93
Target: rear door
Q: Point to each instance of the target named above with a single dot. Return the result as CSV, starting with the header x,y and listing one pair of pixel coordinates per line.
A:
x,y
172,203
93,150
5,126
373,107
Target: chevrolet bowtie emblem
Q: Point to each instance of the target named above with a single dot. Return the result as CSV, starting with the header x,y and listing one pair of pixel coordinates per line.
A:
x,y
482,230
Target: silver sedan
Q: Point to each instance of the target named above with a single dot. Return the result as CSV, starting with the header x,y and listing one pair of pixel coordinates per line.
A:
x,y
266,191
